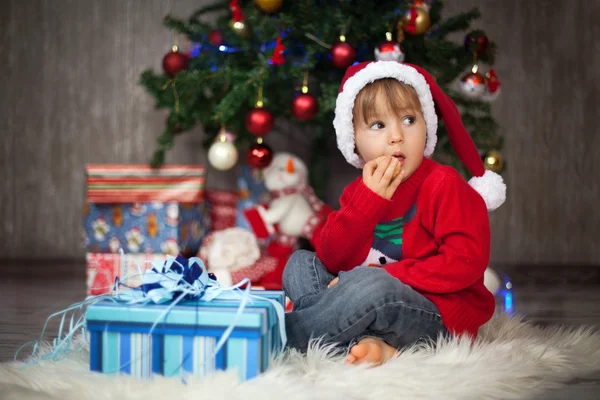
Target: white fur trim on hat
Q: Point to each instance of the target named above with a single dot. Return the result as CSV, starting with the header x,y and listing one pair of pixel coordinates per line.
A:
x,y
342,122
491,187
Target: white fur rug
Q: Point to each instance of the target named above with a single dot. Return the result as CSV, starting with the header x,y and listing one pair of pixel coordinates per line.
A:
x,y
510,360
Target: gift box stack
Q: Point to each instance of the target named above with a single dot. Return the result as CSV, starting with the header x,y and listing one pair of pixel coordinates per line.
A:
x,y
144,212
226,206
142,340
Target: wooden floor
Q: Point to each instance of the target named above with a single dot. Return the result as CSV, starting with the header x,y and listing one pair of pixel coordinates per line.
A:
x,y
31,291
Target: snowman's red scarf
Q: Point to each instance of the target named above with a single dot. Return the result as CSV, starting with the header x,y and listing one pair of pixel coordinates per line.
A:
x,y
320,209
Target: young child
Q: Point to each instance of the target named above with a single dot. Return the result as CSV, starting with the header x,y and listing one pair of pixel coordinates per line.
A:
x,y
403,259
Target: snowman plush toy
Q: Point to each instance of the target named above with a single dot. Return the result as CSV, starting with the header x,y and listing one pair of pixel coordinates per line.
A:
x,y
293,212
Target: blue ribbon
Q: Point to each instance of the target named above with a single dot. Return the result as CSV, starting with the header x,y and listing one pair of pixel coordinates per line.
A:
x,y
174,280
178,279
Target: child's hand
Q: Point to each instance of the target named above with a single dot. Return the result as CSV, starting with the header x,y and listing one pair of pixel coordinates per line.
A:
x,y
333,282
379,176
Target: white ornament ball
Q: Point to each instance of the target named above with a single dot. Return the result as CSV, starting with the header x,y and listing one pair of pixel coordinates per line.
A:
x,y
222,155
471,90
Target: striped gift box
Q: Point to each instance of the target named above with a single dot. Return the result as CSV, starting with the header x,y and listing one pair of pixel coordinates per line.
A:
x,y
144,210
117,183
183,341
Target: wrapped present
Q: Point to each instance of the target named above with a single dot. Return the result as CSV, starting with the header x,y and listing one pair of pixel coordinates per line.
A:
x,y
104,268
227,206
210,329
252,192
222,209
144,210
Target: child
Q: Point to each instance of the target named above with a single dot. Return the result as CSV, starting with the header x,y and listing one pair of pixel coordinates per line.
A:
x,y
403,259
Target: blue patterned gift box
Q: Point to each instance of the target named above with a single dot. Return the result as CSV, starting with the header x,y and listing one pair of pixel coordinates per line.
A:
x,y
252,191
145,210
156,227
184,339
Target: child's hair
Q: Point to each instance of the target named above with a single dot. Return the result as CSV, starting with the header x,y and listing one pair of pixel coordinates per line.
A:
x,y
397,95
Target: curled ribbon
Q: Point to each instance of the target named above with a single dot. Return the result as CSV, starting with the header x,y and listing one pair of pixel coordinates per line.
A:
x,y
173,280
178,279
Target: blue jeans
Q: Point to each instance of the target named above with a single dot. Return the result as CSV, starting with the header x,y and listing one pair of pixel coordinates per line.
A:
x,y
366,301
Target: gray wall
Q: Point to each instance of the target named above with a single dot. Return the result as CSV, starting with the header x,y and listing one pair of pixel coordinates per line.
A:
x,y
70,96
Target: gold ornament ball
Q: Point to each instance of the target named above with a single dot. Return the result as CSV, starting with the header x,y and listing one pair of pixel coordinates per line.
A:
x,y
493,161
422,22
269,6
240,28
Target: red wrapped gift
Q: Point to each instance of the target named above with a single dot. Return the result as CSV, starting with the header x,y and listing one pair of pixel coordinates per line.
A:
x,y
222,197
222,209
103,268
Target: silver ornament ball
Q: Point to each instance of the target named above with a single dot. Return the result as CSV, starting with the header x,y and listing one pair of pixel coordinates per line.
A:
x,y
222,155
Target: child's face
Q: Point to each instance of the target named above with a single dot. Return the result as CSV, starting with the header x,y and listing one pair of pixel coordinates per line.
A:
x,y
400,133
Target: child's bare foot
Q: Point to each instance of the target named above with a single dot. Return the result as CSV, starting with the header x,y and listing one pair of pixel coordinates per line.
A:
x,y
370,350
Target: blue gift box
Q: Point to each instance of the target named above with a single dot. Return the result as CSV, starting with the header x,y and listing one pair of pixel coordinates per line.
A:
x,y
184,340
252,191
156,227
144,210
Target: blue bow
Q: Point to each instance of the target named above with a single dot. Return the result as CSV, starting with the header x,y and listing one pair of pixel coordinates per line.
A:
x,y
172,280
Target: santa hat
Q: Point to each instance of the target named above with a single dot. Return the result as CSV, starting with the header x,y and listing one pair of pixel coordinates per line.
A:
x,y
487,183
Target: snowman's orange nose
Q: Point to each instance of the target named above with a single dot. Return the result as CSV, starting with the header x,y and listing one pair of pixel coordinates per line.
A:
x,y
290,166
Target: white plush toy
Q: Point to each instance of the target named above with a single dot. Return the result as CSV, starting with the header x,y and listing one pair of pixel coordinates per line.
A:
x,y
230,250
293,211
285,178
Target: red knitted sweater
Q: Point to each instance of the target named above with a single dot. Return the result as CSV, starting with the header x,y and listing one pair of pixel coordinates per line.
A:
x,y
433,235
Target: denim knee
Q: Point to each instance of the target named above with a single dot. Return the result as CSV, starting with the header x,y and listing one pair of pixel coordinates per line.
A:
x,y
371,281
297,267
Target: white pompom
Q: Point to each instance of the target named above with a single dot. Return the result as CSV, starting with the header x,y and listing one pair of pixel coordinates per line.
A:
x,y
492,281
491,187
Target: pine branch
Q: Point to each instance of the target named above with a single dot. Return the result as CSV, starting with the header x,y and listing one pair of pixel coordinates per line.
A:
x,y
435,12
196,30
461,100
458,23
229,105
220,87
217,6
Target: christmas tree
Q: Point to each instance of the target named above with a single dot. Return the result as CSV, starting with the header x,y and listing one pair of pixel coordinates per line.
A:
x,y
267,59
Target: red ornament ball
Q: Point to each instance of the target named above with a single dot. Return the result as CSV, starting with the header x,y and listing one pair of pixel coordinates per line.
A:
x,y
215,38
342,55
305,107
174,62
259,156
476,41
389,51
473,84
259,121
